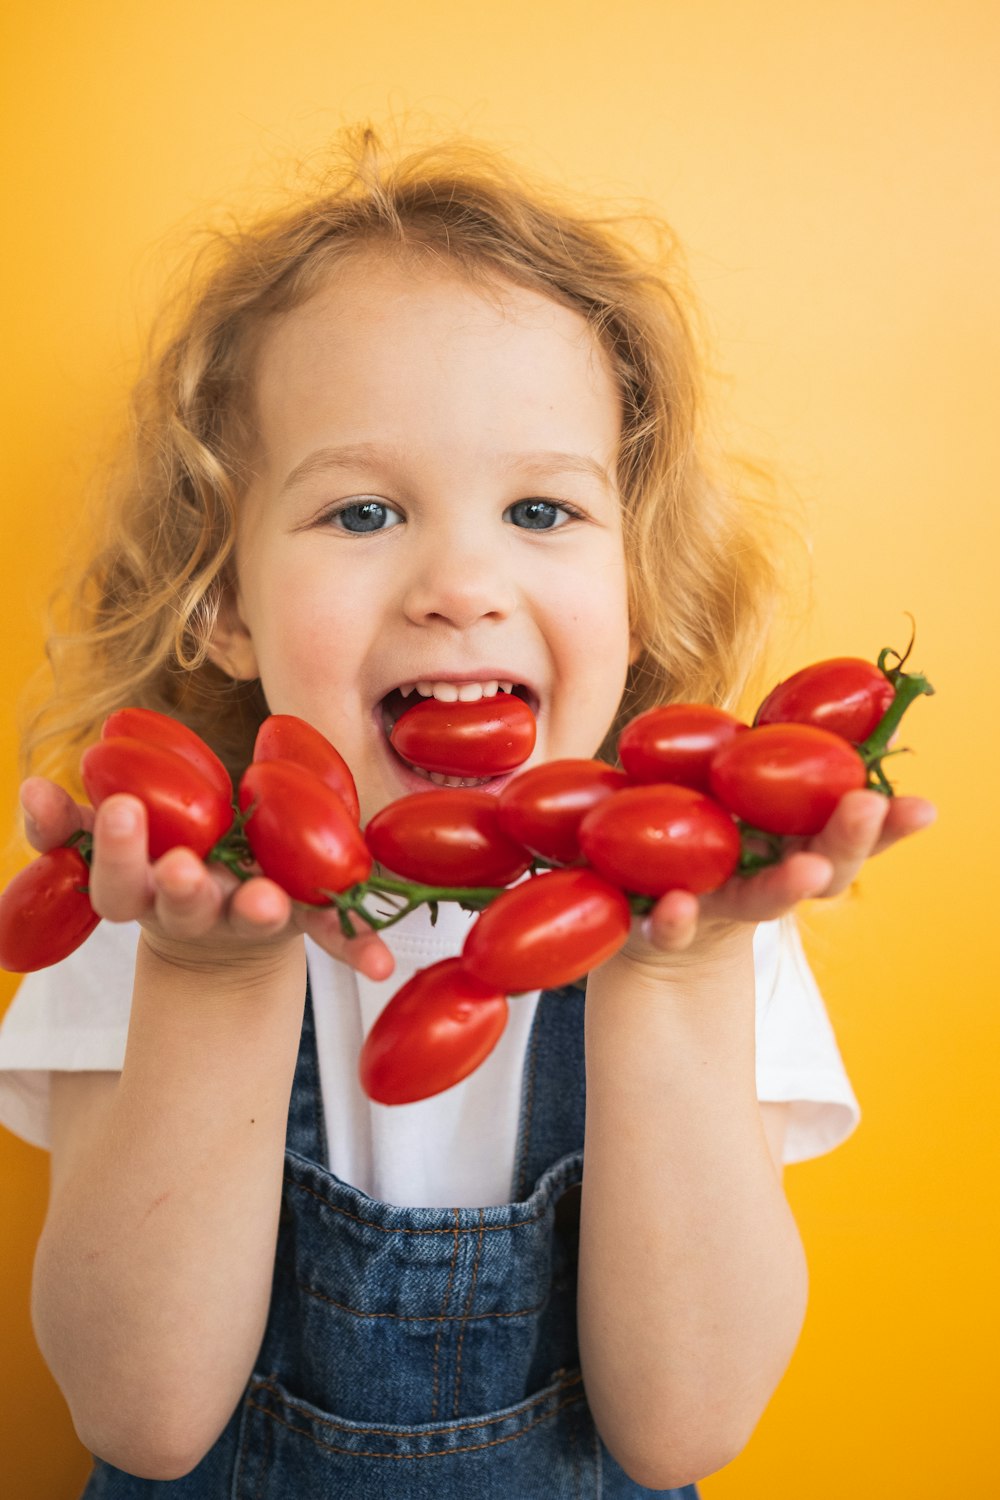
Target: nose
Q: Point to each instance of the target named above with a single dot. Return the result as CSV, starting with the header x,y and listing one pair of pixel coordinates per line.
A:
x,y
459,581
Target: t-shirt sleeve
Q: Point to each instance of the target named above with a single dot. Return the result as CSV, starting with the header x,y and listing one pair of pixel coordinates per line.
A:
x,y
72,1016
798,1060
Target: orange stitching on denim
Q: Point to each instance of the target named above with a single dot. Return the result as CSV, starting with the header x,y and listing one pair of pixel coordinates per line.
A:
x,y
323,1421
465,1316
441,1318
387,1229
265,1463
437,1453
518,1312
575,1458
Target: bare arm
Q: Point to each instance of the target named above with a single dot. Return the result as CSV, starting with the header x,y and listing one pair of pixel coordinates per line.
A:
x,y
693,1283
153,1273
692,1276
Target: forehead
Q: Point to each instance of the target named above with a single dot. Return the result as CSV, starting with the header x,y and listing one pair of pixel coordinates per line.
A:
x,y
423,349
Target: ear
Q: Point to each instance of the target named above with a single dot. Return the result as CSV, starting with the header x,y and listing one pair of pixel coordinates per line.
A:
x,y
231,645
635,648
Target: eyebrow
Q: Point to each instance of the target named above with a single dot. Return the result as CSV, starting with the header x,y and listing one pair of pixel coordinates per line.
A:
x,y
543,463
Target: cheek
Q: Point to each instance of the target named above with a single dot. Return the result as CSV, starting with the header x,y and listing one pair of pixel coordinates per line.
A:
x,y
303,630
596,605
593,628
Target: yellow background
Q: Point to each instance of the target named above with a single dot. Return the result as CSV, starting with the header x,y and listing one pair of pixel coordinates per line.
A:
x,y
831,168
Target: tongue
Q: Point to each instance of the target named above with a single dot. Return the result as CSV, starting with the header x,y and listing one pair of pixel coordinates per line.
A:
x,y
484,738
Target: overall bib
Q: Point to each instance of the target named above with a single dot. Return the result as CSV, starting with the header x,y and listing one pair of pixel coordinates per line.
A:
x,y
421,1353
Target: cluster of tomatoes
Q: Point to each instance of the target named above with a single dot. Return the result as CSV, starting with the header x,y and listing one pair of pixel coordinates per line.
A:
x,y
699,797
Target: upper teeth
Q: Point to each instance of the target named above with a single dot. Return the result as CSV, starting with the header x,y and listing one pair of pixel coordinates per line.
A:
x,y
456,692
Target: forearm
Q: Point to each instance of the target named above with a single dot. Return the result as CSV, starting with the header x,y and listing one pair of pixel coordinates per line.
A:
x,y
153,1275
692,1277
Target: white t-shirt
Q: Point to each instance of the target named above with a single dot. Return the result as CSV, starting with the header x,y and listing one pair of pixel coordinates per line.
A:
x,y
455,1149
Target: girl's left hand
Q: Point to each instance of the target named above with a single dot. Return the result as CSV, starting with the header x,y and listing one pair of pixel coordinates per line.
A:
x,y
864,824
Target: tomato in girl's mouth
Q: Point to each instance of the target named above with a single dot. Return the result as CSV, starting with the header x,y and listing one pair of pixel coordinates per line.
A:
x,y
453,731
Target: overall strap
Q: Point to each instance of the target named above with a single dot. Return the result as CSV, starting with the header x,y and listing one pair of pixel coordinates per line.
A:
x,y
553,1090
306,1128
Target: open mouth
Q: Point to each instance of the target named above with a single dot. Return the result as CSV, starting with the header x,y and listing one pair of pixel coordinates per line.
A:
x,y
396,703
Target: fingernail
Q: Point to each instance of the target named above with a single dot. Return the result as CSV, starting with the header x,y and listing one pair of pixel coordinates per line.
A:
x,y
120,819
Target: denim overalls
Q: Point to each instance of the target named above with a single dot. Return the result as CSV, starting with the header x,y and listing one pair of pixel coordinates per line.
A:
x,y
421,1353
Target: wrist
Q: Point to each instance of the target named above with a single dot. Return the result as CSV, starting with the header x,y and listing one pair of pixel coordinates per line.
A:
x,y
249,966
679,1021
719,960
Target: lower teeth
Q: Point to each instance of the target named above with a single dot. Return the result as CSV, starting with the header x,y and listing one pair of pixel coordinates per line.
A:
x,y
440,779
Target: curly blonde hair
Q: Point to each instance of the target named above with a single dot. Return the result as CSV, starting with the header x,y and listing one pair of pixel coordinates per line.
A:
x,y
141,612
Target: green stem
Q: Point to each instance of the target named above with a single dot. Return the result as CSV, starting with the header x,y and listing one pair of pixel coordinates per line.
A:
x,y
82,842
411,894
908,687
753,857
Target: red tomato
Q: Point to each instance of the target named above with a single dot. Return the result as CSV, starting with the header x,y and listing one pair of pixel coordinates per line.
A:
x,y
547,931
675,743
45,912
450,836
654,839
846,695
182,807
484,738
285,737
542,808
434,1031
169,734
786,778
301,833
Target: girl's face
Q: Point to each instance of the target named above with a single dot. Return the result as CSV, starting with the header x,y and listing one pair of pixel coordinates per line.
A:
x,y
434,503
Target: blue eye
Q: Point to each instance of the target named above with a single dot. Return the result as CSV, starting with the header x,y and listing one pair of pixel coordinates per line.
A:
x,y
538,515
362,517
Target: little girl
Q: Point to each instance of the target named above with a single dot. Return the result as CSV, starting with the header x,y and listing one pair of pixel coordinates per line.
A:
x,y
428,433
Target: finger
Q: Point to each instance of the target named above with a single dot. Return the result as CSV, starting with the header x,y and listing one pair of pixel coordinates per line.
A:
x,y
673,922
259,909
51,817
120,885
365,952
187,899
851,836
772,892
906,816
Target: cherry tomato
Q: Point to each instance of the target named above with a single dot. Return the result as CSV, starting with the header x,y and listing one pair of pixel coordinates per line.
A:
x,y
484,738
675,743
450,836
654,839
547,931
301,833
170,734
845,695
786,778
182,807
542,808
434,1032
45,912
285,737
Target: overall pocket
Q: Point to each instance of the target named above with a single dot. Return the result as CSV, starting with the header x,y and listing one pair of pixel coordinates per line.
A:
x,y
543,1448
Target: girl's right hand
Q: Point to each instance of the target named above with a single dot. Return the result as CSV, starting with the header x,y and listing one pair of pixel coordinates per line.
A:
x,y
196,913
